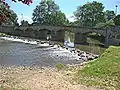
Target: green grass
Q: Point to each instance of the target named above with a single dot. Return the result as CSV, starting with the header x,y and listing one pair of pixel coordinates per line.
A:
x,y
3,34
103,72
3,87
60,66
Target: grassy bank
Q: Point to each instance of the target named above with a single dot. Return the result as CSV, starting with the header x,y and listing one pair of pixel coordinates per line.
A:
x,y
103,72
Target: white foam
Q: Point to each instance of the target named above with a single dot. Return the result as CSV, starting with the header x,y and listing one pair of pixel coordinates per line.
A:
x,y
57,49
44,45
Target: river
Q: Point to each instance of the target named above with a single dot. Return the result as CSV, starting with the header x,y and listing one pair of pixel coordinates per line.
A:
x,y
21,54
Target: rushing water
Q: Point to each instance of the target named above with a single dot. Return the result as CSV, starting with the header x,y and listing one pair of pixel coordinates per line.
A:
x,y
16,53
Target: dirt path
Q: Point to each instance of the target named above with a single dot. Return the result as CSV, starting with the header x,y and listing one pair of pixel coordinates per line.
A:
x,y
38,79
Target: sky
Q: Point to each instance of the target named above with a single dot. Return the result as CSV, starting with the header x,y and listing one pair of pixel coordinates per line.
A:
x,y
24,12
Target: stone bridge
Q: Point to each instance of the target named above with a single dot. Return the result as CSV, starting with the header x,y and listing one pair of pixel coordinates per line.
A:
x,y
57,33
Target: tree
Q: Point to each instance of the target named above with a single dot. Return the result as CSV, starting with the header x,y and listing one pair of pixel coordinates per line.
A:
x,y
117,20
75,23
7,16
23,1
105,25
47,12
109,15
24,23
4,13
12,20
4,9
90,14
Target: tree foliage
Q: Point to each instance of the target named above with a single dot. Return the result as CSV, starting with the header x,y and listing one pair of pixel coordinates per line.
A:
x,y
4,12
7,16
117,20
23,1
105,25
90,14
24,23
109,15
47,12
12,20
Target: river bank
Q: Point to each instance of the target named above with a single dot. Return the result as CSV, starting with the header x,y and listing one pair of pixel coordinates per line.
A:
x,y
35,78
30,63
74,76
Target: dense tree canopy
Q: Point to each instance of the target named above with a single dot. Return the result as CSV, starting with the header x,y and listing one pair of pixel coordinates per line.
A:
x,y
24,23
12,20
105,24
90,14
23,1
47,12
7,16
109,15
4,12
117,20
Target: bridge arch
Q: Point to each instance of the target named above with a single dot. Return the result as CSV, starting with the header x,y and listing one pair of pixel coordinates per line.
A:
x,y
69,36
96,36
42,33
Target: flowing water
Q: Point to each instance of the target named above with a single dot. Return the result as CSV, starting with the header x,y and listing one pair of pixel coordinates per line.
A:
x,y
18,53
21,52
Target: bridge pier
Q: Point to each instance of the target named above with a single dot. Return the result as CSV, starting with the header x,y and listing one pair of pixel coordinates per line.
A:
x,y
5,29
41,34
17,32
80,38
28,33
58,35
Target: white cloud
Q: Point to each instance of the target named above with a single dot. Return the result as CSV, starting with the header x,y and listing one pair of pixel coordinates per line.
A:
x,y
70,17
26,18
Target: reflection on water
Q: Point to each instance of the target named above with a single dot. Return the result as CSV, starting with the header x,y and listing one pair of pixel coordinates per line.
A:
x,y
68,43
92,45
15,53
